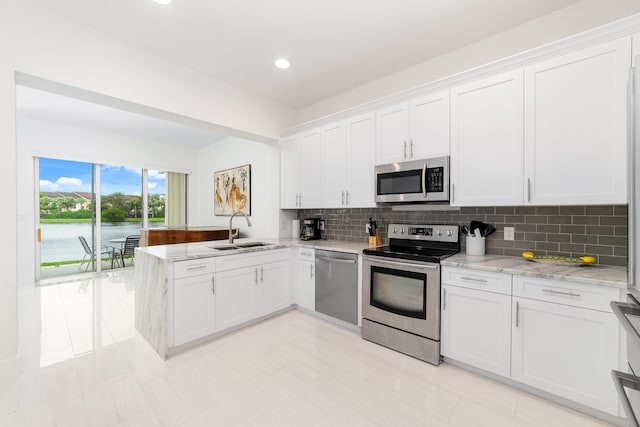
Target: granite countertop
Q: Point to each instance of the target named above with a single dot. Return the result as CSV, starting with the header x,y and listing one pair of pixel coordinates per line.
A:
x,y
196,250
593,274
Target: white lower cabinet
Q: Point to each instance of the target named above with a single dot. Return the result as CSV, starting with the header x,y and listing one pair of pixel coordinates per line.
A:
x,y
273,292
476,328
194,308
560,344
305,281
556,336
234,303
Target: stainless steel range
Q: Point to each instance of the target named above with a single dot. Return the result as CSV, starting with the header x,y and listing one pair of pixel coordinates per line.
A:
x,y
401,289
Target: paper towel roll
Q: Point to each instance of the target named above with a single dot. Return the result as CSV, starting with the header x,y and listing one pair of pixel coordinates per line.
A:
x,y
295,229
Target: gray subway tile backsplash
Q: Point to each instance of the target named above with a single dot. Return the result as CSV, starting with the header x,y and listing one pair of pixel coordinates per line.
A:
x,y
600,231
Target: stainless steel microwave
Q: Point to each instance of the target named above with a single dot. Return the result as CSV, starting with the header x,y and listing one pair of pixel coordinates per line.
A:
x,y
414,181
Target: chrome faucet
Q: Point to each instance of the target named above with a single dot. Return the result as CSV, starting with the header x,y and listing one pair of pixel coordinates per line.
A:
x,y
233,235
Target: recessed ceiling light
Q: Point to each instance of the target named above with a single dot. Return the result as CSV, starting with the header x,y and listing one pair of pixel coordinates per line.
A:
x,y
164,2
282,63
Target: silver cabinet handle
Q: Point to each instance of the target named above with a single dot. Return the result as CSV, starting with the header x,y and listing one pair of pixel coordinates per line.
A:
x,y
411,149
453,192
261,274
256,277
311,271
473,279
347,197
444,299
571,294
342,197
528,189
197,267
300,199
517,313
213,285
405,150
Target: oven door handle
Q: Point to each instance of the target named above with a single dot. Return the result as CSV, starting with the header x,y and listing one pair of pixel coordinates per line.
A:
x,y
404,264
622,380
424,180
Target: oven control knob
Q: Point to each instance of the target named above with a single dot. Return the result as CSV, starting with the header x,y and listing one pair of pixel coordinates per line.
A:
x,y
402,232
439,232
449,233
395,230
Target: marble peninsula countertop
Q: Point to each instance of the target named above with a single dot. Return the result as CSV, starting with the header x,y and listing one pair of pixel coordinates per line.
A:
x,y
187,251
602,275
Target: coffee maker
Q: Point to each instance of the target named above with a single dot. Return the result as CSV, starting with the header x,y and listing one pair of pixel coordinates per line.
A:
x,y
311,228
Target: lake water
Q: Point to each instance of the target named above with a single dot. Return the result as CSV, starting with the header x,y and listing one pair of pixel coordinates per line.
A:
x,y
60,241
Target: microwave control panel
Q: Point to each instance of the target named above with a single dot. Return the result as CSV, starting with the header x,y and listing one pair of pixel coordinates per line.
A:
x,y
435,180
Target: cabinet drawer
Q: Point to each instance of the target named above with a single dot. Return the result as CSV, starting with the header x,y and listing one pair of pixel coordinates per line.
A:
x,y
231,262
194,267
569,293
307,254
476,279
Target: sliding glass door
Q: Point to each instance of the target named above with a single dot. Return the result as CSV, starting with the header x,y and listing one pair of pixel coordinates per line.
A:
x,y
86,212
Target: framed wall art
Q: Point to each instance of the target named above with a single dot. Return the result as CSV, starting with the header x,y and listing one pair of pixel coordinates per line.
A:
x,y
232,191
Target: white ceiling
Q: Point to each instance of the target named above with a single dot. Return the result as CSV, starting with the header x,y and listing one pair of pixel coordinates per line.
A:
x,y
333,45
50,107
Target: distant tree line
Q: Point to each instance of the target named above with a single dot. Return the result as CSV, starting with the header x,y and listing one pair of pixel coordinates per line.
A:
x,y
116,207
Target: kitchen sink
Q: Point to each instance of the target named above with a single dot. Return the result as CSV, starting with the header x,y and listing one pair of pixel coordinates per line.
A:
x,y
241,246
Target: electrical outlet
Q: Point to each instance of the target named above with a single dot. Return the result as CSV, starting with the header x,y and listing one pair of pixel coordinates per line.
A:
x,y
509,233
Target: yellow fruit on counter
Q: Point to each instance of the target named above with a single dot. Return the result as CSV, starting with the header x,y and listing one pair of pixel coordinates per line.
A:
x,y
528,255
587,259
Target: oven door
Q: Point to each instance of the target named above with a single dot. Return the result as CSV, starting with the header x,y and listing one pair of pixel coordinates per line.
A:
x,y
402,294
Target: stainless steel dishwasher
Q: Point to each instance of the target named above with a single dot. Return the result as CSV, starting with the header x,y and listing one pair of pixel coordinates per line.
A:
x,y
337,285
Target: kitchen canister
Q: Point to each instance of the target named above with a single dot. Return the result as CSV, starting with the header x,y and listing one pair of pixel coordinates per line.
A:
x,y
295,229
475,245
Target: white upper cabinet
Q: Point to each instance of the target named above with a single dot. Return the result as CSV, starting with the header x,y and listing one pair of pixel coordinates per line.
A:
x,y
334,165
575,127
361,159
392,134
635,43
487,141
348,158
415,130
429,126
300,171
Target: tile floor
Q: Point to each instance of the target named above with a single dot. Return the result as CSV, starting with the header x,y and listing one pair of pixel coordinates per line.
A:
x,y
81,364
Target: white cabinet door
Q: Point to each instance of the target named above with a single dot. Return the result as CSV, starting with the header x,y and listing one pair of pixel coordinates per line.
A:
x,y
429,121
305,284
193,308
310,175
635,44
273,291
334,165
235,296
290,163
361,161
575,121
476,328
487,141
566,351
392,133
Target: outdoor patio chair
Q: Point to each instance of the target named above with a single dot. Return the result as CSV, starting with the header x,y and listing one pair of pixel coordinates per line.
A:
x,y
104,250
129,248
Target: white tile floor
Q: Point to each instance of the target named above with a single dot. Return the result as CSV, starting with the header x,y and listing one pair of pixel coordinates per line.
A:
x,y
82,364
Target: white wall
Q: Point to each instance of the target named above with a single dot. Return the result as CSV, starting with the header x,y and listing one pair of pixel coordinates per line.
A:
x,y
563,23
54,140
37,43
264,159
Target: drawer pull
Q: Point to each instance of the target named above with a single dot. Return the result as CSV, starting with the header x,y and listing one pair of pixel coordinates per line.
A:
x,y
571,294
197,267
517,313
213,285
444,299
473,279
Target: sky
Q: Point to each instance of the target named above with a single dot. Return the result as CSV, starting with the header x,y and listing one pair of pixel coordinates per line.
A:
x,y
65,175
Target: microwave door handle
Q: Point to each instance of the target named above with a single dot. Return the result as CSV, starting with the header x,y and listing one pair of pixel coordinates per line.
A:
x,y
424,180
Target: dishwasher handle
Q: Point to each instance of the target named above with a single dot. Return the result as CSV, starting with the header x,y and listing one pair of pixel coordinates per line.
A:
x,y
337,260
